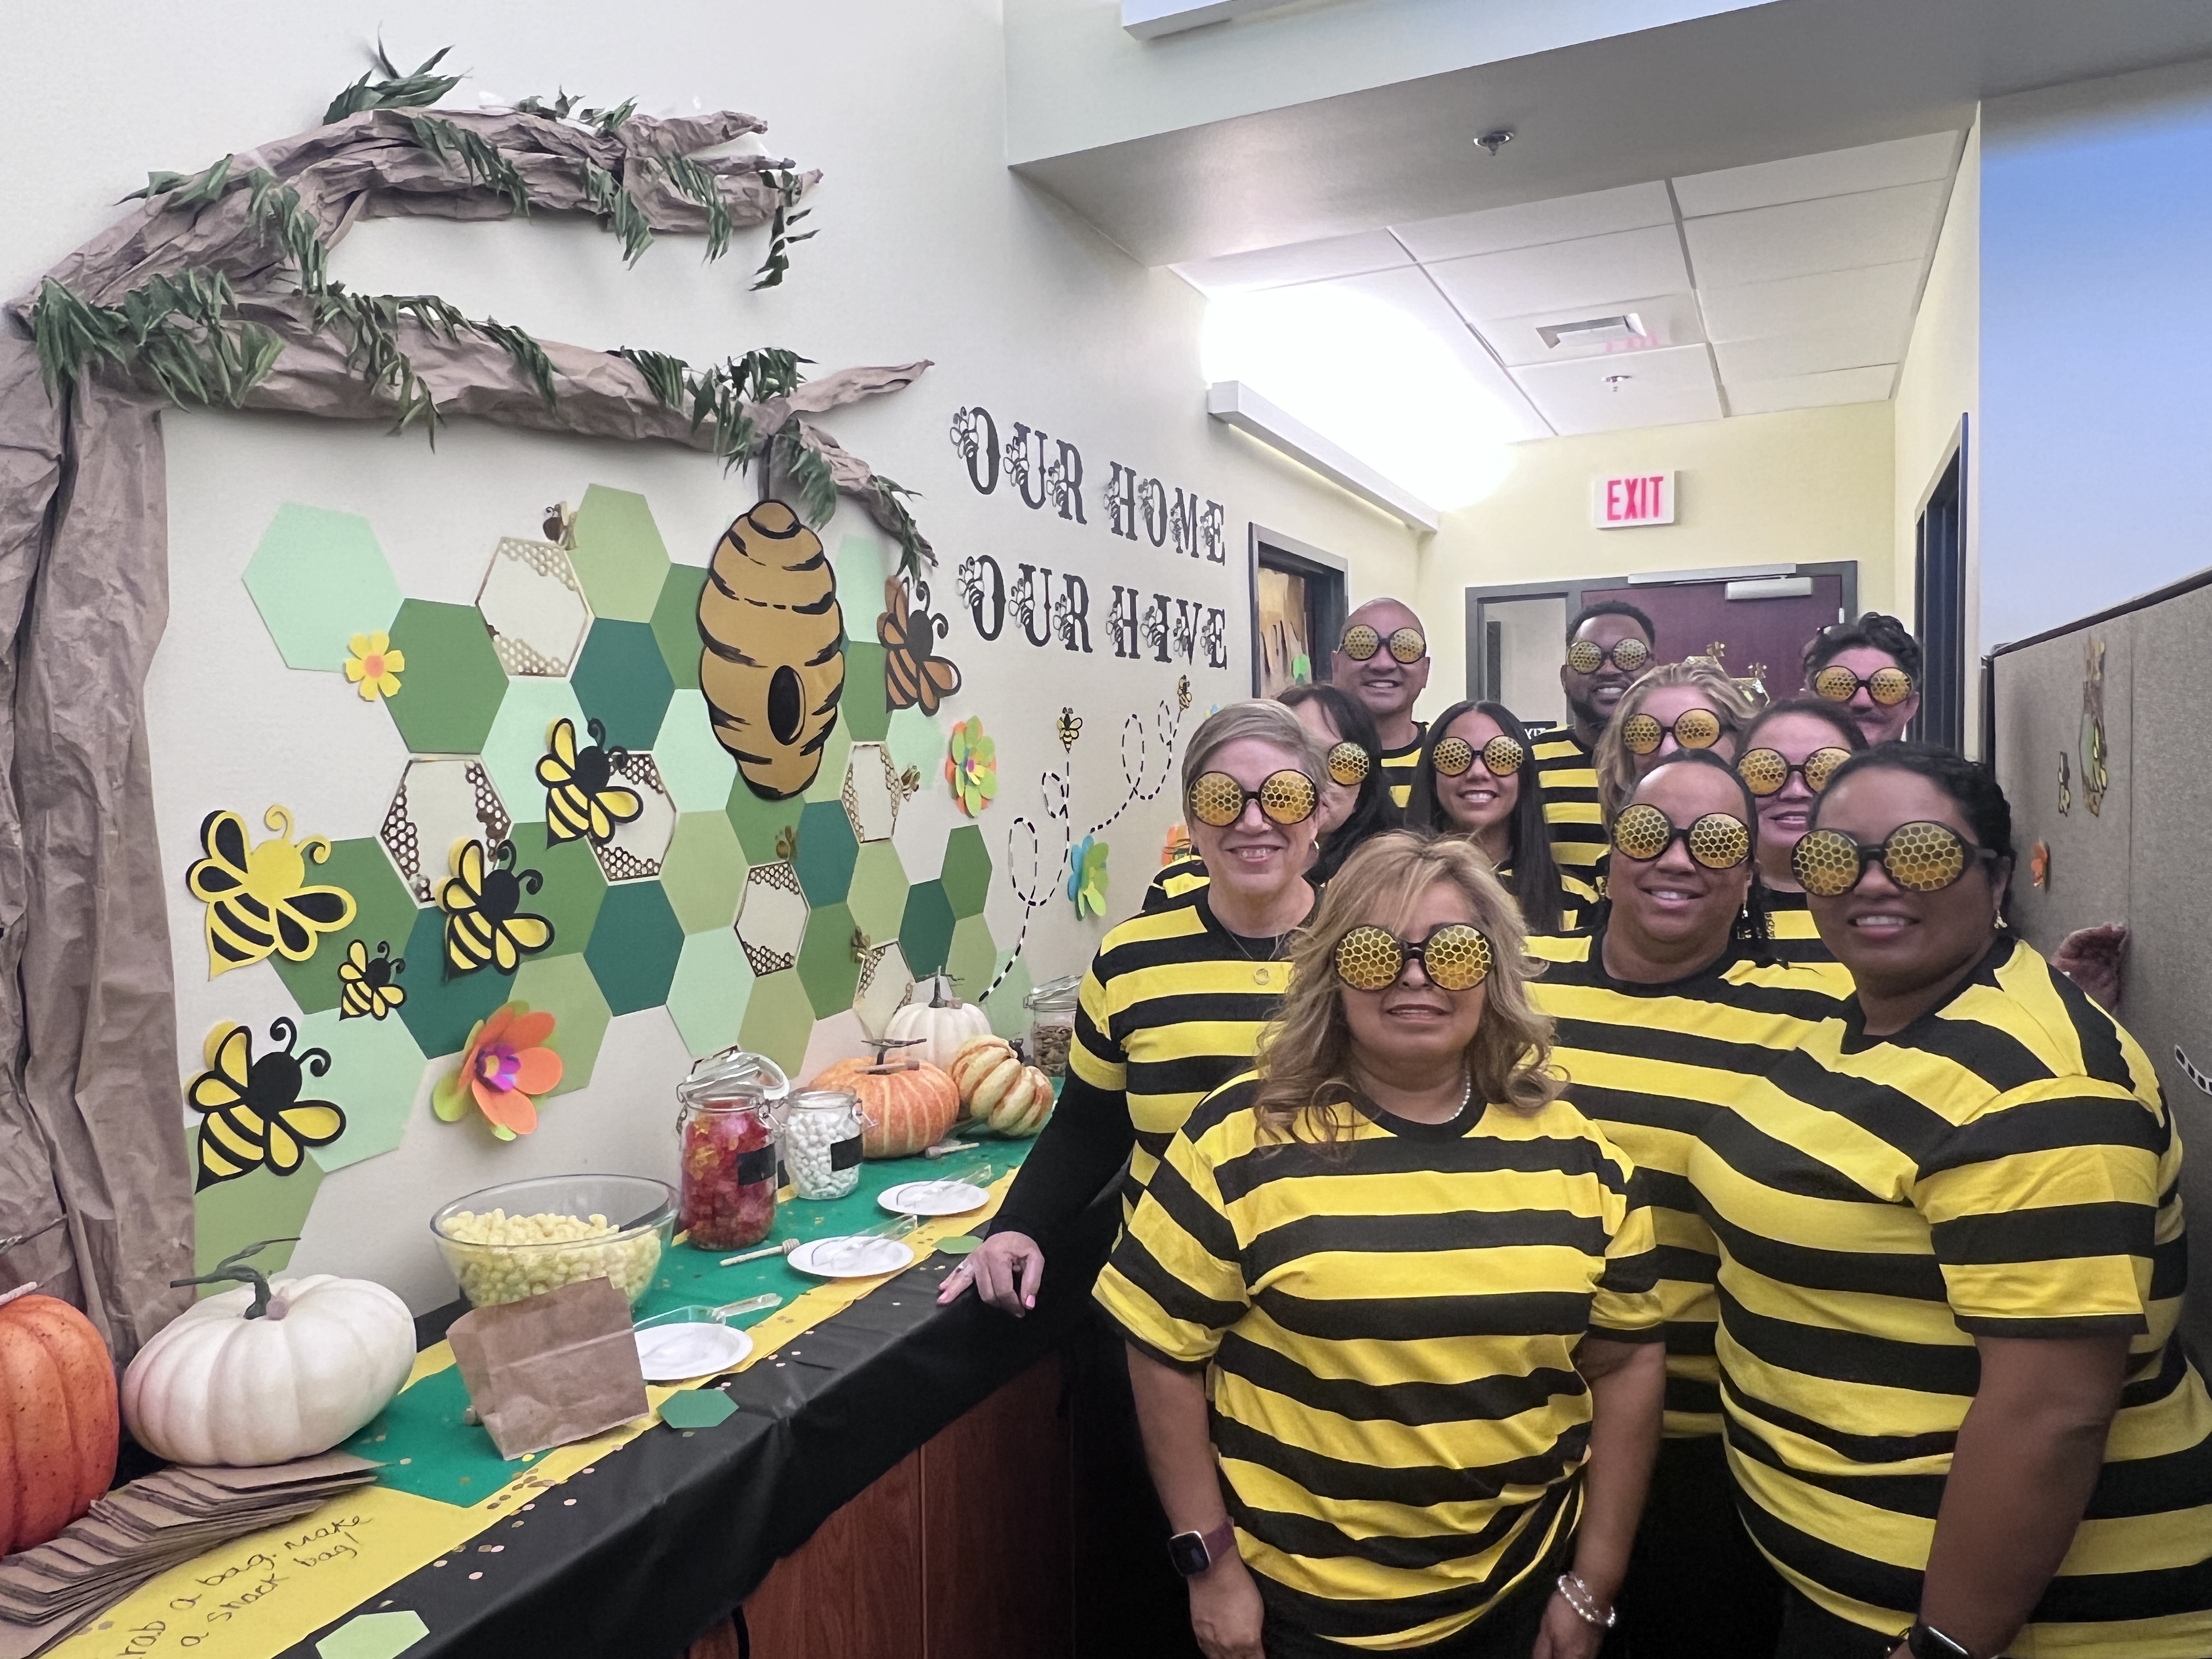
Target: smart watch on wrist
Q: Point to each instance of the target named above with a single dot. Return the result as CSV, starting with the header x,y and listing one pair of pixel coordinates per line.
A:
x,y
1193,1553
1924,1641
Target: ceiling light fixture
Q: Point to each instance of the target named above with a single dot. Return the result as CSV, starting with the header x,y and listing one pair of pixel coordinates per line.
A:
x,y
1592,331
1615,382
1495,139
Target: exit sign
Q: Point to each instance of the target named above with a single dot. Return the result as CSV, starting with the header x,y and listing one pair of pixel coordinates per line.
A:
x,y
1636,498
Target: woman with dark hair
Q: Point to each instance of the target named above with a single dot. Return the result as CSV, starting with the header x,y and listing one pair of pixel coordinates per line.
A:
x,y
1952,1261
1474,779
1789,754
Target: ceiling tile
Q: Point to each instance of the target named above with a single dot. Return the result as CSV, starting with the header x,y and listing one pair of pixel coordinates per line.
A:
x,y
1592,272
1843,386
1296,262
1831,172
1411,292
1663,388
1840,233
1633,207
1834,298
1669,319
1811,351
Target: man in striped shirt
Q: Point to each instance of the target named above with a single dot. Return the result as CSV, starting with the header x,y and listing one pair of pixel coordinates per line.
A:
x,y
1373,664
1608,645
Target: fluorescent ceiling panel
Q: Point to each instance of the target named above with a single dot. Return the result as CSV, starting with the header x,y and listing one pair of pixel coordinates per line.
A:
x,y
1298,262
1833,173
1530,224
1811,351
1669,319
1594,273
1834,298
1664,388
1844,386
1840,233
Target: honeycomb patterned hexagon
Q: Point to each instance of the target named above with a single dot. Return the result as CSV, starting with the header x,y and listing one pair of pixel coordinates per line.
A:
x,y
926,930
767,830
441,1008
574,886
878,893
884,986
704,875
772,918
622,681
450,690
566,988
779,1019
826,852
696,769
873,792
676,623
707,999
618,556
828,960
319,577
967,873
533,605
973,958
639,848
439,805
520,734
384,912
376,1072
634,945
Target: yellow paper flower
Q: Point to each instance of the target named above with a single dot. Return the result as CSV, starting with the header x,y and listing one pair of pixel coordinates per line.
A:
x,y
375,666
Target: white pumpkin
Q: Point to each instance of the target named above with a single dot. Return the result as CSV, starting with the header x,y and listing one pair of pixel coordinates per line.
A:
x,y
942,1023
215,1387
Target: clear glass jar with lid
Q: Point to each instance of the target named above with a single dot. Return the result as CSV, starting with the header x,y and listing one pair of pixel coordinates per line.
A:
x,y
1052,1023
729,1110
822,1131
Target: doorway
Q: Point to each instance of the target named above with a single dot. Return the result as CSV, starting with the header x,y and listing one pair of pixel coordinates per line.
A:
x,y
1298,611
1755,620
1939,602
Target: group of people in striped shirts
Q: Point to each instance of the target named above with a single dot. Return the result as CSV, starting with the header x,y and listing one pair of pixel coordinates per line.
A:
x,y
1624,1190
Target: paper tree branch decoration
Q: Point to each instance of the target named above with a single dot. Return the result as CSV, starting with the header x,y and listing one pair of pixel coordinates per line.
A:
x,y
505,1070
374,665
252,1115
1086,878
258,900
972,767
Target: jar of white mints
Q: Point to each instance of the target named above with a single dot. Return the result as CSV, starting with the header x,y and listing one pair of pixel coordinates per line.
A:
x,y
821,1130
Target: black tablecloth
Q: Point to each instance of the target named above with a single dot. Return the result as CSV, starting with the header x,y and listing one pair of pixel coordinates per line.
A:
x,y
669,1535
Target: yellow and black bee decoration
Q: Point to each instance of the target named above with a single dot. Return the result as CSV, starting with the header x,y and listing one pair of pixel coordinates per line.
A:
x,y
913,672
257,898
368,985
582,799
486,925
772,658
1070,727
253,1117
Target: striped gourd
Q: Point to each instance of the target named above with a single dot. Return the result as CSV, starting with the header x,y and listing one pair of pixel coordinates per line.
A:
x,y
772,667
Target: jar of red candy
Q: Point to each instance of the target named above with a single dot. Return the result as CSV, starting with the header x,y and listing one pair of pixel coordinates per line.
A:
x,y
732,1107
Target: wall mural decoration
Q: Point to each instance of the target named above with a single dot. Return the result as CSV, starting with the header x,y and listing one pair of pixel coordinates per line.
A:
x,y
260,900
2096,775
914,675
1086,878
971,767
368,985
505,1069
374,665
486,925
253,1117
581,795
772,664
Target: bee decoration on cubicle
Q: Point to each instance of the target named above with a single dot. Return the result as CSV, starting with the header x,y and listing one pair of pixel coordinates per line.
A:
x,y
772,657
486,925
259,899
1069,725
913,674
2065,785
252,1115
583,798
2095,776
368,985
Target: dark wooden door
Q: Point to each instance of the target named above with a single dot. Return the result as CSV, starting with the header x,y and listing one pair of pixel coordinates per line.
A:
x,y
1757,638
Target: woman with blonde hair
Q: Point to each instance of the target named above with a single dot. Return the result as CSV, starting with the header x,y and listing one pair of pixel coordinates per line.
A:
x,y
1391,1306
1691,704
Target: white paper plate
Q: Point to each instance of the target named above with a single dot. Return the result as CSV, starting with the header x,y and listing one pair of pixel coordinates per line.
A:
x,y
678,1353
933,1197
856,1257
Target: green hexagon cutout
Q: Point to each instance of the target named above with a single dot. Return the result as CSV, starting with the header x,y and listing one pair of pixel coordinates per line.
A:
x,y
318,579
1004,1004
926,930
707,998
779,1019
441,1008
826,852
376,1072
573,888
259,1204
518,737
761,824
878,891
566,988
676,623
450,690
866,712
634,946
967,873
384,912
618,555
827,965
704,875
973,958
697,770
917,740
830,783
620,680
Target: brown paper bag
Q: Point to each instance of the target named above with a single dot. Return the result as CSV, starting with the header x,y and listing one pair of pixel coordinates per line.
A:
x,y
552,1368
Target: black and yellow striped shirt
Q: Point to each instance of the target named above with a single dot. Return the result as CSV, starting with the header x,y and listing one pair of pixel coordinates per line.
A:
x,y
1176,880
2003,1166
1568,777
1650,1065
1399,766
1171,1010
1794,936
1391,1324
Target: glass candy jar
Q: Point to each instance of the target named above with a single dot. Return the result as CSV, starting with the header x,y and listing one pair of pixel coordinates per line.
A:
x,y
731,1106
821,1130
1052,1023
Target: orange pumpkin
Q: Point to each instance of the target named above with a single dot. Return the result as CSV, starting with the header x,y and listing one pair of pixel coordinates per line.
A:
x,y
911,1105
57,1419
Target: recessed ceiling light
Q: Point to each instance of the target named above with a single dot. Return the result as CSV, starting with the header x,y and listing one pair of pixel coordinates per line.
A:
x,y
1592,331
1495,139
1615,382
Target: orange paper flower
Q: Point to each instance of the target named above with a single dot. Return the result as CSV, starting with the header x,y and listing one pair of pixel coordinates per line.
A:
x,y
505,1069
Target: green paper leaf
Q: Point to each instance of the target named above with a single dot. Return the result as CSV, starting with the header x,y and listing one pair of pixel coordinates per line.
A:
x,y
697,1408
373,1636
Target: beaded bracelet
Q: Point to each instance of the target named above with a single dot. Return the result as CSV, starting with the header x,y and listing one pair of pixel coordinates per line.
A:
x,y
1583,1602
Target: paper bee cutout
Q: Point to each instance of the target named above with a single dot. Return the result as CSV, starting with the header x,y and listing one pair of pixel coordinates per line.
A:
x,y
257,899
582,799
2065,785
1182,692
772,666
485,923
252,1116
1069,727
2095,779
913,673
368,985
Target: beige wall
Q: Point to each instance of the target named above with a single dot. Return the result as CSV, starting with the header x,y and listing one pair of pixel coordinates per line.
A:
x,y
1806,487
